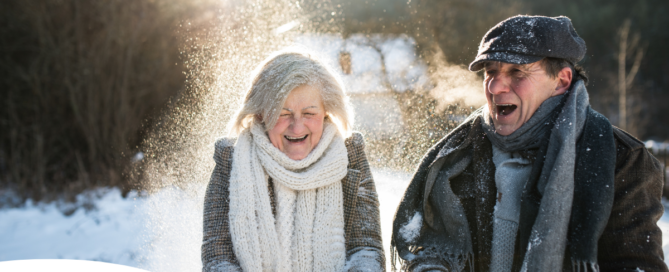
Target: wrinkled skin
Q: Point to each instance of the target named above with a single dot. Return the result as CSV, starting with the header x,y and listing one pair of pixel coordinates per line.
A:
x,y
515,91
300,123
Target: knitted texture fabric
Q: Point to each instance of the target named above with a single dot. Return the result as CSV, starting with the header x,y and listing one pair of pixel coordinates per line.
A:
x,y
511,173
308,233
503,242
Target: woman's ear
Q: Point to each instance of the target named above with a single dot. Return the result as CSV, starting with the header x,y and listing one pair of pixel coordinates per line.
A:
x,y
564,78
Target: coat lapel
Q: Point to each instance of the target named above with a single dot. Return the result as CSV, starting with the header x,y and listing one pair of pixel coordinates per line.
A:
x,y
483,170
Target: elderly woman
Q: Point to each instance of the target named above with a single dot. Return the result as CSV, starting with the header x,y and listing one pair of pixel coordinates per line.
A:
x,y
291,193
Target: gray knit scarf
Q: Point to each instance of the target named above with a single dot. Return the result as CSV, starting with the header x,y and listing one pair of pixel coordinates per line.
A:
x,y
548,239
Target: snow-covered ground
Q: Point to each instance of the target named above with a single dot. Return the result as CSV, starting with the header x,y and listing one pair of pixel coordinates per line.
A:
x,y
158,232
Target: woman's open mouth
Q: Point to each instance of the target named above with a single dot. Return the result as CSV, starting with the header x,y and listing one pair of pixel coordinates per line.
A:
x,y
505,109
296,139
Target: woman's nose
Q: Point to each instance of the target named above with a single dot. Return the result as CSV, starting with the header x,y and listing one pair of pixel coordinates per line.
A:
x,y
297,125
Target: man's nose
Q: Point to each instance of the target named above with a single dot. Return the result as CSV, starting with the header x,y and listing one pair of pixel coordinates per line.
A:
x,y
499,84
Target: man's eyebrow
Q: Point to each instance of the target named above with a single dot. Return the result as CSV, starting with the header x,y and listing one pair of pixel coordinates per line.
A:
x,y
288,109
310,107
529,68
522,67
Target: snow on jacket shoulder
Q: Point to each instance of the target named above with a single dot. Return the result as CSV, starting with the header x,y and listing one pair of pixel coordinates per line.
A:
x,y
361,212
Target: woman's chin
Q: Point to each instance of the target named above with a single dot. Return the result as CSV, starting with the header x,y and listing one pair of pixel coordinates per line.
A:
x,y
297,157
297,154
296,150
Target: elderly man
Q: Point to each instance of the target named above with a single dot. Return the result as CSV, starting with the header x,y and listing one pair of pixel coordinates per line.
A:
x,y
535,180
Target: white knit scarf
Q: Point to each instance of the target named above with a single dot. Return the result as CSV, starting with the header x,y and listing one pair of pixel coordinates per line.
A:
x,y
308,233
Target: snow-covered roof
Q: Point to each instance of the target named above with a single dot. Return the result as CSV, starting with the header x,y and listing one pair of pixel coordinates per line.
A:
x,y
404,70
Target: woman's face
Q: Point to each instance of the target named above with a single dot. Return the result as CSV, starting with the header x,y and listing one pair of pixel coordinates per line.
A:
x,y
300,123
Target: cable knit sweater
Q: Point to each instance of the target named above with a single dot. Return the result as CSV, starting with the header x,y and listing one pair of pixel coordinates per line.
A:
x,y
364,250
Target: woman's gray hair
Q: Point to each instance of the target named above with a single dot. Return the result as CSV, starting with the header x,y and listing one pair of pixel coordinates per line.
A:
x,y
277,76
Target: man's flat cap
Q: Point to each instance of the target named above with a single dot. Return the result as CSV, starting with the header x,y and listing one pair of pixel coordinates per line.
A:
x,y
527,39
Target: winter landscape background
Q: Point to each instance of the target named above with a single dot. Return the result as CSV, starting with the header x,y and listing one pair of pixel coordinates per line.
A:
x,y
110,108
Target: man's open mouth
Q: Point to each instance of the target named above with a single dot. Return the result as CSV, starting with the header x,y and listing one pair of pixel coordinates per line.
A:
x,y
296,139
506,109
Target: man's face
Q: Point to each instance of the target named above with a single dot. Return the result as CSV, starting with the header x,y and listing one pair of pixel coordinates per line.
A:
x,y
515,91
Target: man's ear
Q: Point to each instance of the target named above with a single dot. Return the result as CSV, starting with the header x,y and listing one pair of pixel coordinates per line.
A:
x,y
564,78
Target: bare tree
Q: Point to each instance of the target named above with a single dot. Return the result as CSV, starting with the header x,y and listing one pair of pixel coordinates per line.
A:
x,y
625,78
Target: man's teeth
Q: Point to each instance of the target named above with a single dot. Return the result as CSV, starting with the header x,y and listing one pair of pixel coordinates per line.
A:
x,y
505,109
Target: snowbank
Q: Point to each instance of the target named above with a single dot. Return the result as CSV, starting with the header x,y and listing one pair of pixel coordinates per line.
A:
x,y
105,227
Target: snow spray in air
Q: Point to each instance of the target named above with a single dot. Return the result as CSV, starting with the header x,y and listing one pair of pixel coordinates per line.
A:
x,y
221,47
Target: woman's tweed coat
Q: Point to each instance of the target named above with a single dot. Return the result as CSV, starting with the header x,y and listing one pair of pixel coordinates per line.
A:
x,y
361,211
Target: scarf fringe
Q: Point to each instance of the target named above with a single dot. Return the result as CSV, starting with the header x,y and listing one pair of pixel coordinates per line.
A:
x,y
584,266
456,262
394,259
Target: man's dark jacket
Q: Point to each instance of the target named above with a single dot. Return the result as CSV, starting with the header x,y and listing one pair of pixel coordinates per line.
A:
x,y
630,238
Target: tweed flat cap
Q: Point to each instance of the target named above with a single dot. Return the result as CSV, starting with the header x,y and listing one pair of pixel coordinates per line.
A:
x,y
526,39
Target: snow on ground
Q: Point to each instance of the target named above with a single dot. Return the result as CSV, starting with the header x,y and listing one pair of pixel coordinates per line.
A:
x,y
160,232
390,186
106,233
